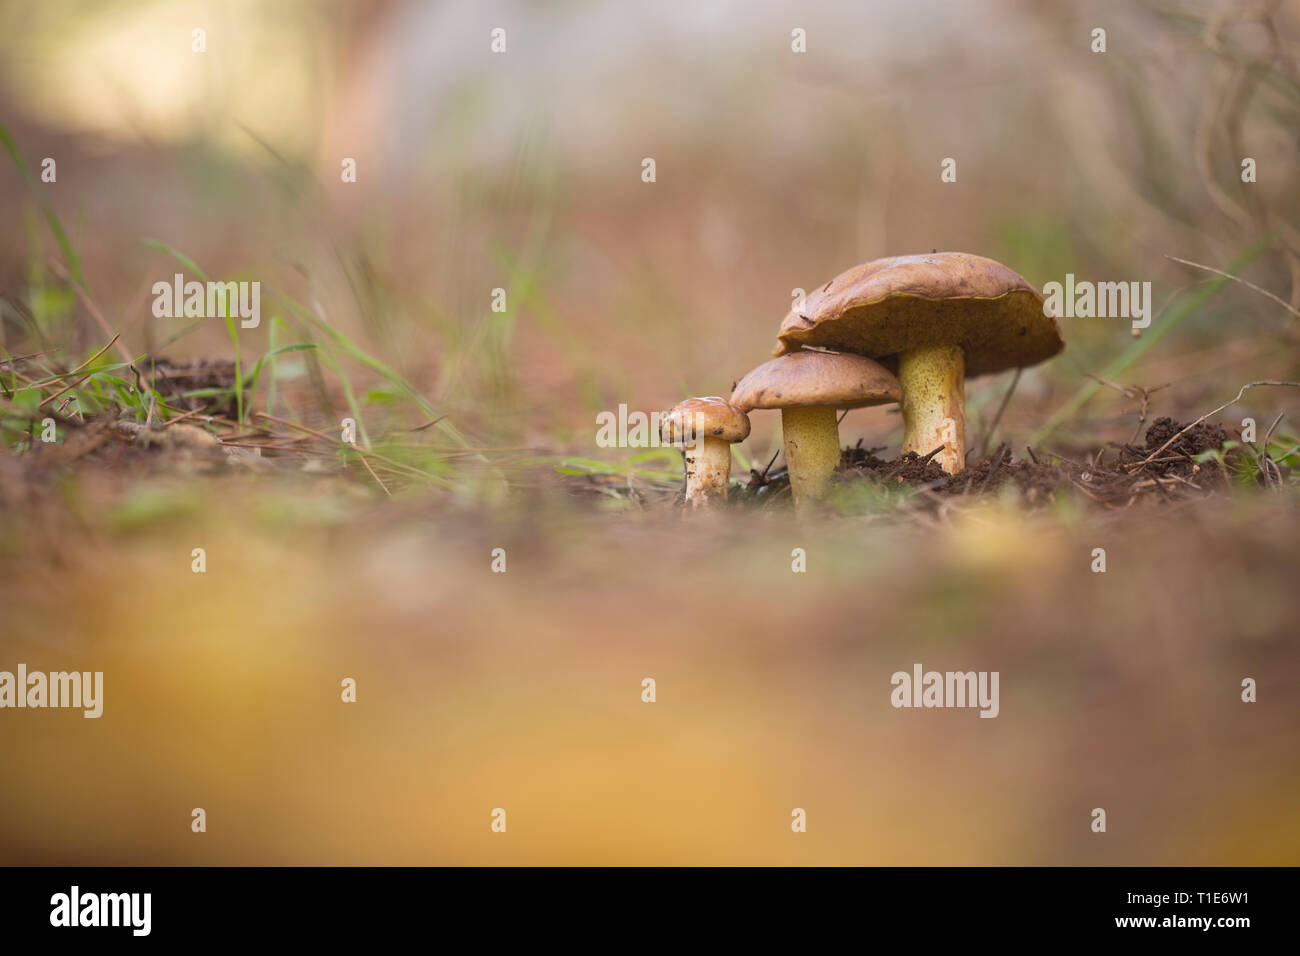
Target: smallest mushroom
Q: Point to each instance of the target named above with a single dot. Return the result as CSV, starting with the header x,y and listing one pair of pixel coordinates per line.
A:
x,y
705,428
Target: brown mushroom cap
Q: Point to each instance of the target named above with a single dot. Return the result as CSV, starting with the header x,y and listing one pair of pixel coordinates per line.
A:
x,y
800,379
892,305
716,419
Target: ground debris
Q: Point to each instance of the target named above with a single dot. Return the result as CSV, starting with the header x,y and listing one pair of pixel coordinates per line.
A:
x,y
1199,438
170,437
1035,481
1111,478
80,441
1178,461
176,382
909,468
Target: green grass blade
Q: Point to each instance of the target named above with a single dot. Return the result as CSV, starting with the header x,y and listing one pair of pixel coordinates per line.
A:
x,y
56,227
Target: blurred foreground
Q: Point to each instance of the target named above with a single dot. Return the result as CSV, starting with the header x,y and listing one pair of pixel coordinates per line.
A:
x,y
522,690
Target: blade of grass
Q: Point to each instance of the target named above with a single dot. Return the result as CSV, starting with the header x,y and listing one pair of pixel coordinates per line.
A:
x,y
232,327
51,219
390,374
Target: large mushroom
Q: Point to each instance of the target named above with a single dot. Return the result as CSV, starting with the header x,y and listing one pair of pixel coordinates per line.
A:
x,y
940,318
809,388
705,428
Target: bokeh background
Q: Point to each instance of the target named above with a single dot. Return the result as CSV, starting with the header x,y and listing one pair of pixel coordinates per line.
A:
x,y
775,170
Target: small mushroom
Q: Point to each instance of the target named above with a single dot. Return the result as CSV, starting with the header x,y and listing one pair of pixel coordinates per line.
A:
x,y
940,318
809,387
705,428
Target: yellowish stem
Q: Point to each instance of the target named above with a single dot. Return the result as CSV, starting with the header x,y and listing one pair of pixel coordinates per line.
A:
x,y
933,382
812,450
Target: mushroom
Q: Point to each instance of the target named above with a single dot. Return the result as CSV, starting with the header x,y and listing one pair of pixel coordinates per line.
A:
x,y
705,427
939,318
809,387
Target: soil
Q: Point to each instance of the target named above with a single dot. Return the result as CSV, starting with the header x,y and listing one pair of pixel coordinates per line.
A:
x,y
1113,477
910,468
1199,438
1037,483
173,381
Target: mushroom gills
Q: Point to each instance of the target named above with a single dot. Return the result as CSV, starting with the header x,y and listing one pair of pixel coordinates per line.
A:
x,y
933,380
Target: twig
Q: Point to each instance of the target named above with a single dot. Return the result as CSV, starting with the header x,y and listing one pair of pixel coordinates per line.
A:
x,y
80,368
294,425
1216,411
997,418
1268,465
95,314
1088,493
24,358
1003,450
1269,434
67,388
428,424
396,465
374,476
181,418
1132,391
1250,285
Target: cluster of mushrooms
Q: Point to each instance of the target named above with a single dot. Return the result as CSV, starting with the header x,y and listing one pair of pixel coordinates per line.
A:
x,y
907,329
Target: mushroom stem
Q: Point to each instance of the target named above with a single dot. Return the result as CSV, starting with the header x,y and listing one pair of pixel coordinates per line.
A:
x,y
812,449
933,381
708,470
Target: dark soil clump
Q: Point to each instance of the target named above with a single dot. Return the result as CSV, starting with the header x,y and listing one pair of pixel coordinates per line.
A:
x,y
909,468
1198,439
175,383
1179,459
